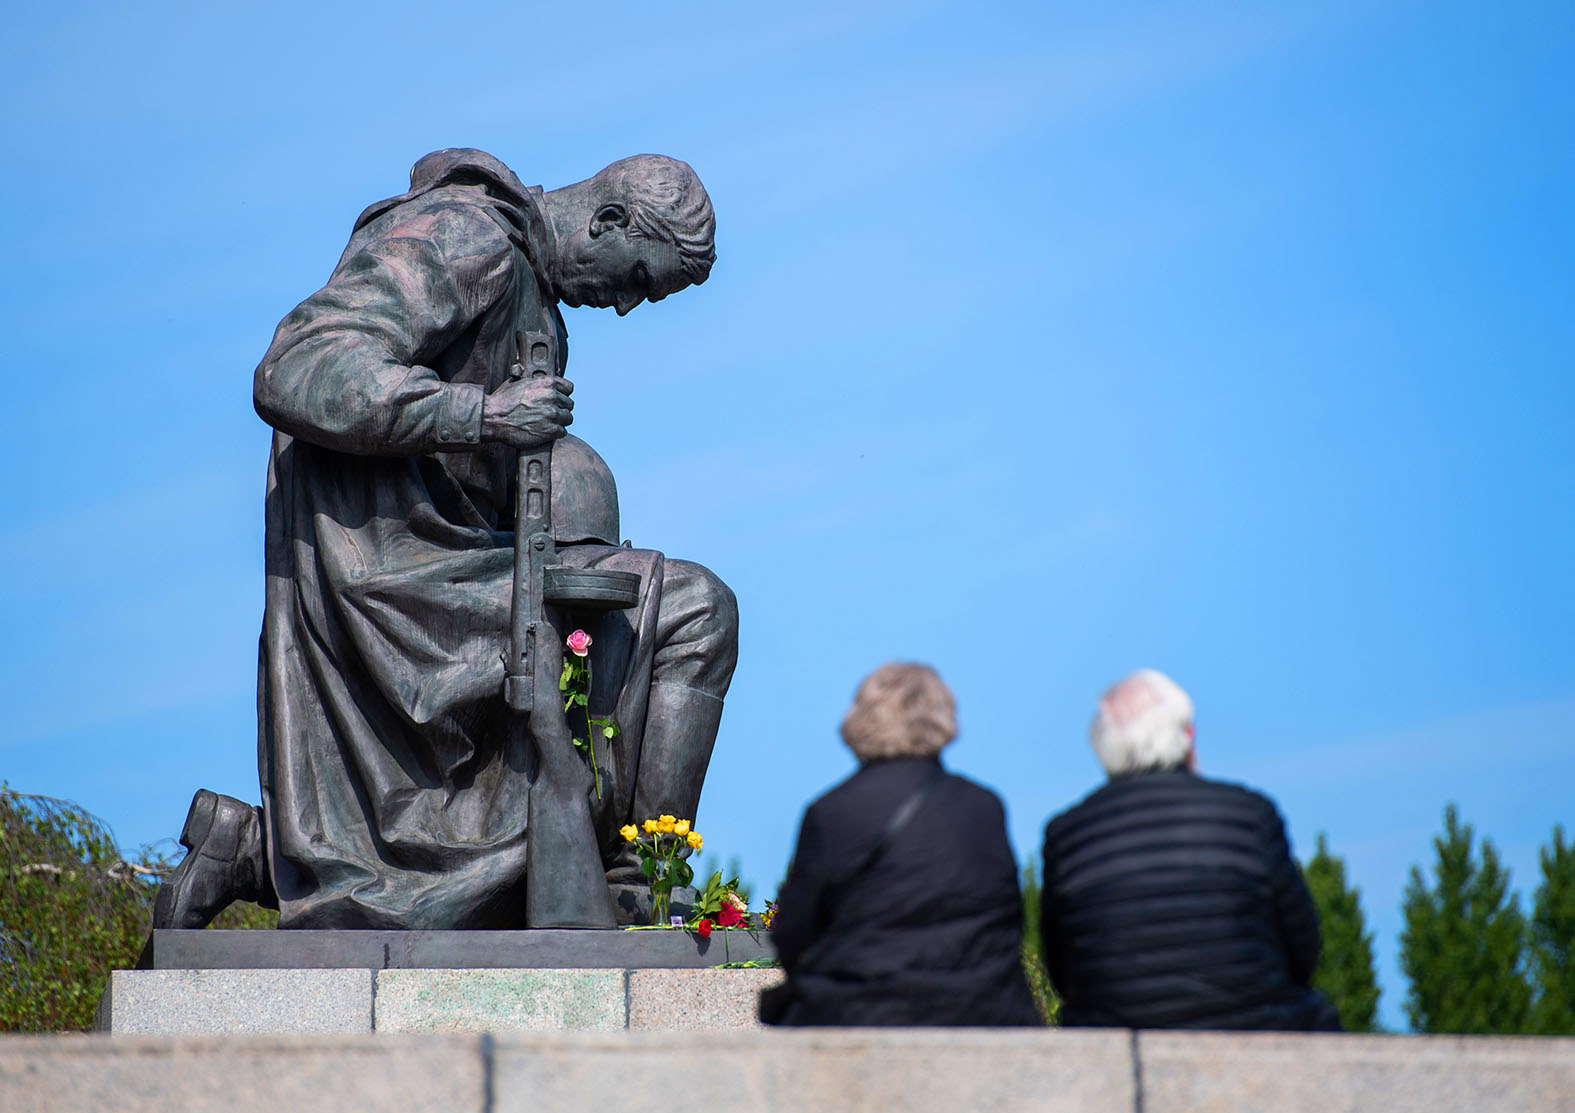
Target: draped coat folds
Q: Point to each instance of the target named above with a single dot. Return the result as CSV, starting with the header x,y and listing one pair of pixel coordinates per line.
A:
x,y
394,781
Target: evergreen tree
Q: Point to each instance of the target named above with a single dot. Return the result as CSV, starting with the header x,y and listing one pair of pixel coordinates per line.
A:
x,y
1553,939
1345,965
1033,954
1463,945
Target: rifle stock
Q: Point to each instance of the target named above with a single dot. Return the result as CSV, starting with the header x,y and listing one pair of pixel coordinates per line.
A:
x,y
565,884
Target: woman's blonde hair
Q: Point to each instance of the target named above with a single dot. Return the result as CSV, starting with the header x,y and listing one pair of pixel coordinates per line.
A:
x,y
901,710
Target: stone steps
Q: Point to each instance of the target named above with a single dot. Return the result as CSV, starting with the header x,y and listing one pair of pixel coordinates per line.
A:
x,y
803,1071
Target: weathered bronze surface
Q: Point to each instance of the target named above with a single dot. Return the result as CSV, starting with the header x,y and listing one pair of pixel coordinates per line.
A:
x,y
420,416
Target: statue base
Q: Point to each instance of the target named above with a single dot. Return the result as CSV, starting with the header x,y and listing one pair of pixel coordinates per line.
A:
x,y
269,982
627,949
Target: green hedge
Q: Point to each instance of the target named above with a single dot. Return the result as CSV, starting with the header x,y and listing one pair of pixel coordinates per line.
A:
x,y
71,910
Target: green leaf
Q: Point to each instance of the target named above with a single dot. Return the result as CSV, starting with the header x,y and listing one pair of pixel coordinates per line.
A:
x,y
683,872
648,867
609,732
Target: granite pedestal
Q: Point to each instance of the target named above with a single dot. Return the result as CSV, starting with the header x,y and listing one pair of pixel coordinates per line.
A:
x,y
275,982
169,949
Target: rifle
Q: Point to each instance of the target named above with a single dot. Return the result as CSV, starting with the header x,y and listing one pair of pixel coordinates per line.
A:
x,y
565,885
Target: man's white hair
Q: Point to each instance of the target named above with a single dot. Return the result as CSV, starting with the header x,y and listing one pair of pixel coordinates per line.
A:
x,y
1144,722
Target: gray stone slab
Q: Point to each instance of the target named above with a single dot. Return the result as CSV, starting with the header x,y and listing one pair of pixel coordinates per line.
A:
x,y
854,1070
500,1000
697,1000
176,1002
1217,1072
170,949
834,1070
263,1074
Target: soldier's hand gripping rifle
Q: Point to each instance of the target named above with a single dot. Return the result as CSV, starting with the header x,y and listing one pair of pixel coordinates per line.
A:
x,y
565,885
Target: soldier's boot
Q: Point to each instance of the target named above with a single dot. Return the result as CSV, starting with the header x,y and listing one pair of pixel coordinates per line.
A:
x,y
224,863
680,731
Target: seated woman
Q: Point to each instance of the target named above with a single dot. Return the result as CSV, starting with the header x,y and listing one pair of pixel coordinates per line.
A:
x,y
901,906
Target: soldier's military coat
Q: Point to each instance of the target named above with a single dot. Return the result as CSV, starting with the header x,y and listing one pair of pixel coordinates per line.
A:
x,y
394,789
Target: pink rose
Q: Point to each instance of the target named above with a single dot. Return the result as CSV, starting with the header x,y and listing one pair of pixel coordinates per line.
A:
x,y
579,642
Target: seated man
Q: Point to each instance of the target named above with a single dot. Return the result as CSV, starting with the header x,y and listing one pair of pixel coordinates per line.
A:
x,y
1171,901
394,783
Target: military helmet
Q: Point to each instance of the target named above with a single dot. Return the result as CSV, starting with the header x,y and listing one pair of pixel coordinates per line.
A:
x,y
584,496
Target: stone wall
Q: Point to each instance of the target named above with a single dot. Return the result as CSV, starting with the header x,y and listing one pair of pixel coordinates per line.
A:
x,y
805,1071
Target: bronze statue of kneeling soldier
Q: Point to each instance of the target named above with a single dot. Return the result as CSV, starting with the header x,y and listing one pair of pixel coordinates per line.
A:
x,y
416,768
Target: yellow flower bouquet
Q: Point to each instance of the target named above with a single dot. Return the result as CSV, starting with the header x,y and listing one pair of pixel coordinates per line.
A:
x,y
660,847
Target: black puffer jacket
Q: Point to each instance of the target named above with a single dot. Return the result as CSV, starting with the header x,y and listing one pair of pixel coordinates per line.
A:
x,y
929,933
1171,901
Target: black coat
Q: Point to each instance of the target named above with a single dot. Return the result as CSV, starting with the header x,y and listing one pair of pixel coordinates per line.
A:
x,y
1171,901
929,933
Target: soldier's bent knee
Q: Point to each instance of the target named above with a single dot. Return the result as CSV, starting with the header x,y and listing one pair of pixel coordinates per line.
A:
x,y
697,628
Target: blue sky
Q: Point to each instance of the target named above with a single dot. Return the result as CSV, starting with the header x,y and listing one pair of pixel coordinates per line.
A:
x,y
1046,341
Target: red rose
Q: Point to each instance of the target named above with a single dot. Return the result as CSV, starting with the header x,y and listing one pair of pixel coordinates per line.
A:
x,y
704,928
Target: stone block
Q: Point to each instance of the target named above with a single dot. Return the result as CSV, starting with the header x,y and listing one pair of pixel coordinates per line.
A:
x,y
1218,1072
697,1000
302,949
843,1070
499,1000
260,1074
249,1002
